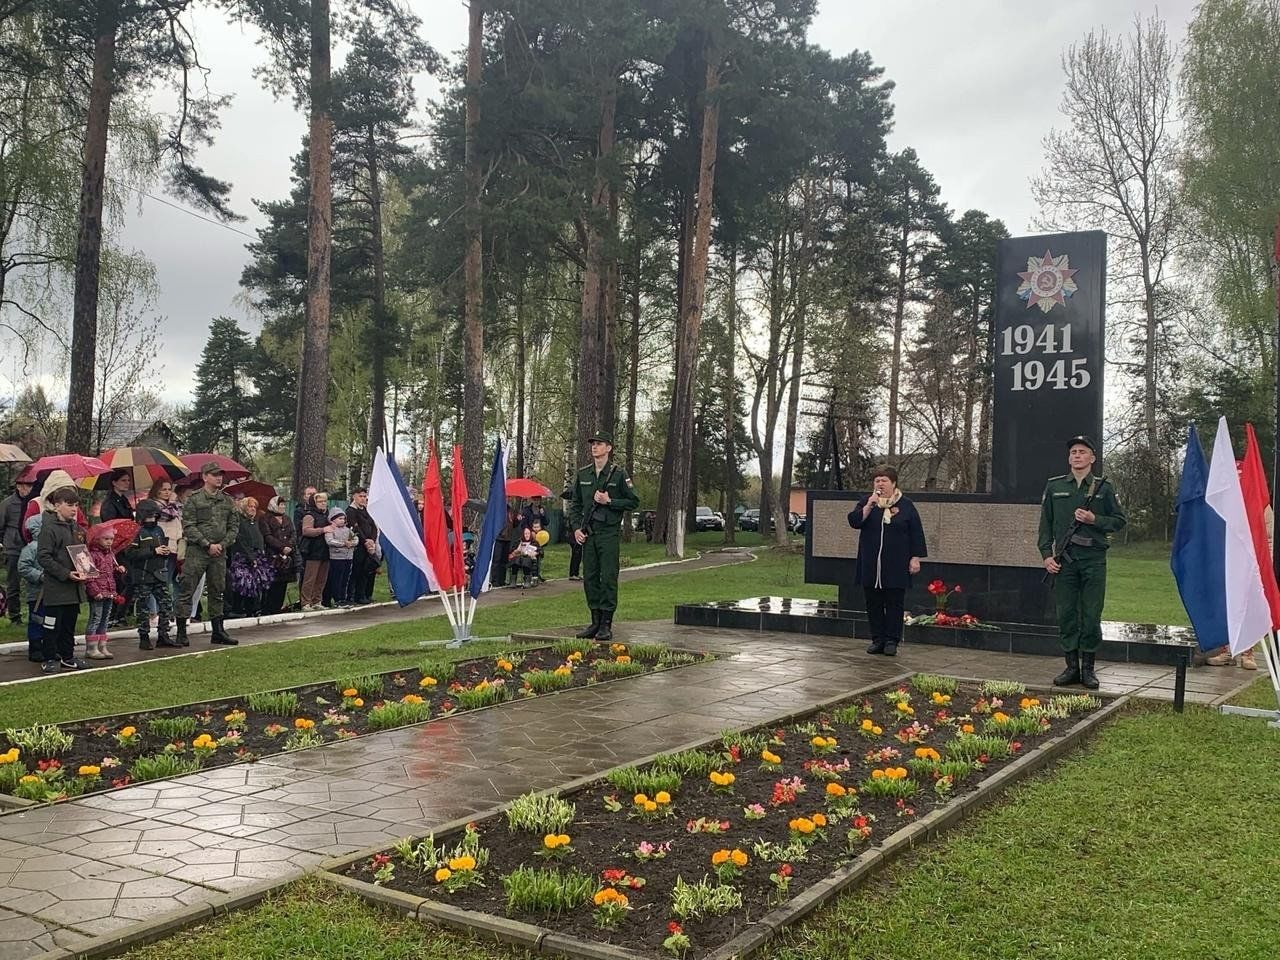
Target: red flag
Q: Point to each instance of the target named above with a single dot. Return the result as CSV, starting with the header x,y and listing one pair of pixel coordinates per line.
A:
x,y
433,531
458,496
1253,484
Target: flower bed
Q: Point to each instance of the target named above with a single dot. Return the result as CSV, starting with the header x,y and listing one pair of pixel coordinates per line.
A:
x,y
677,857
54,762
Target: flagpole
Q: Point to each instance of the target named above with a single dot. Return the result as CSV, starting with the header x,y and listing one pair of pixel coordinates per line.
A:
x,y
1270,650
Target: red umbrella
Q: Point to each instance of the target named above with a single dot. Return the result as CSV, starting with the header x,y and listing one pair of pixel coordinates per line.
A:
x,y
526,487
262,492
125,531
76,466
230,469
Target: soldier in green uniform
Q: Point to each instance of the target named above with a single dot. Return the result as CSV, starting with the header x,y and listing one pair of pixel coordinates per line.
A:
x,y
209,524
1078,515
602,493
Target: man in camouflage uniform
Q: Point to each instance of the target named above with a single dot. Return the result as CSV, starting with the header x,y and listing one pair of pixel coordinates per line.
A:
x,y
602,493
1078,514
209,525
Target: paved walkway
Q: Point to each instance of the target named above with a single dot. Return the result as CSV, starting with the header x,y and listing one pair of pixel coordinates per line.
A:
x,y
14,665
105,863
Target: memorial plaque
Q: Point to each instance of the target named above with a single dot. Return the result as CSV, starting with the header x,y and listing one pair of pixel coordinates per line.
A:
x,y
1048,354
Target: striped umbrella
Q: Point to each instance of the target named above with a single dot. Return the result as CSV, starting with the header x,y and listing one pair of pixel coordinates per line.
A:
x,y
145,464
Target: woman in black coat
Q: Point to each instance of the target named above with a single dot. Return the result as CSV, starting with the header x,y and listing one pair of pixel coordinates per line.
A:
x,y
890,546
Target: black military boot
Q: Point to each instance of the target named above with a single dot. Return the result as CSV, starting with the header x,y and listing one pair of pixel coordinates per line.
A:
x,y
1071,675
180,640
144,639
605,633
586,633
876,645
220,635
1088,679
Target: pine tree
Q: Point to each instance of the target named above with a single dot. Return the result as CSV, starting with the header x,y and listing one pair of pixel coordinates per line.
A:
x,y
222,402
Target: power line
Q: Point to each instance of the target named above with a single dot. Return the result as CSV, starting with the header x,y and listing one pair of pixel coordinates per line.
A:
x,y
181,209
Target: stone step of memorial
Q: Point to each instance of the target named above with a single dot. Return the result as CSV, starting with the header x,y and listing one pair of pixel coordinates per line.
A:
x,y
1121,642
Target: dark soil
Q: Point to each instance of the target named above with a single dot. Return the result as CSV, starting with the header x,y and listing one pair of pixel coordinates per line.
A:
x,y
603,840
95,740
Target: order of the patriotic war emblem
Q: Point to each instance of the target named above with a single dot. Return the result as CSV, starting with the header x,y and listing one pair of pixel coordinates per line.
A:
x,y
1047,281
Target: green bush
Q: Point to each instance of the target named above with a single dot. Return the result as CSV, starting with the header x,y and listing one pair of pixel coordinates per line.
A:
x,y
442,670
651,780
486,696
397,714
367,687
162,765
41,740
928,683
539,813
171,728
613,670
689,762
650,652
572,645
547,891
547,681
703,899
969,747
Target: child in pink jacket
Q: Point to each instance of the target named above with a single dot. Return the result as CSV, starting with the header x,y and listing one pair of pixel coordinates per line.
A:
x,y
102,592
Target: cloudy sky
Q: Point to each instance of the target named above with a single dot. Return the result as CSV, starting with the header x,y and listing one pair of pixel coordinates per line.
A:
x,y
978,86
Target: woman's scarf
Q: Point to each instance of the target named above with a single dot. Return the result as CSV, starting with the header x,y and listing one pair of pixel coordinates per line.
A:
x,y
887,516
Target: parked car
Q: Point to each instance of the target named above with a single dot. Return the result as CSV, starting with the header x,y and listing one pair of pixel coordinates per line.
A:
x,y
707,519
798,522
750,520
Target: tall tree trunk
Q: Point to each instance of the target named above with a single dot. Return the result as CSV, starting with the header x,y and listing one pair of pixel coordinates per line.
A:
x,y
608,322
971,393
84,313
378,346
684,246
679,448
633,358
781,533
473,322
521,373
731,400
1151,428
900,306
313,384
595,397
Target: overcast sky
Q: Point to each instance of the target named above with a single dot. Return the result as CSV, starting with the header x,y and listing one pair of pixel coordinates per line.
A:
x,y
977,87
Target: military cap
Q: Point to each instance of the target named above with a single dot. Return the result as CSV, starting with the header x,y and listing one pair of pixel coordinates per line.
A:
x,y
210,467
602,435
1082,440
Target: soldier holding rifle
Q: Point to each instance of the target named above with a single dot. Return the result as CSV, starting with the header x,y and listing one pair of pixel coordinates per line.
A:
x,y
1078,515
602,493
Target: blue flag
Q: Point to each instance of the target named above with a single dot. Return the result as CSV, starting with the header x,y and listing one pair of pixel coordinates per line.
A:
x,y
398,531
495,518
1199,551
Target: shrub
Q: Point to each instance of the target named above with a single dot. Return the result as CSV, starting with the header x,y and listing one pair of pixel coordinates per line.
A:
x,y
1074,702
1020,725
703,899
442,670
970,747
572,645
42,739
674,658
689,762
613,670
301,739
850,716
647,651
547,891
10,774
1003,688
651,780
162,765
928,683
368,687
485,696
750,744
395,713
283,704
171,728
547,681
539,813
885,787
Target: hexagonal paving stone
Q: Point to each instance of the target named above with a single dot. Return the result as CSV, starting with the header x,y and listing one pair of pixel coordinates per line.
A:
x,y
22,937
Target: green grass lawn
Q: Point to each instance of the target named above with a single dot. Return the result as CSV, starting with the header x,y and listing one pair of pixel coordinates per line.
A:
x,y
1156,842
1140,586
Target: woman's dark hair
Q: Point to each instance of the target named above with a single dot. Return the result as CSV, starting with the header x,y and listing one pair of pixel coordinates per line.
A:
x,y
65,495
884,470
154,492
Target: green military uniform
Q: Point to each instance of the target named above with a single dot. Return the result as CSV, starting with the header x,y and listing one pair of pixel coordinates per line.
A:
x,y
603,525
207,518
1080,588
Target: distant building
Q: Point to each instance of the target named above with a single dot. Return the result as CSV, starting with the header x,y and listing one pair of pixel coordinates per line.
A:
x,y
139,433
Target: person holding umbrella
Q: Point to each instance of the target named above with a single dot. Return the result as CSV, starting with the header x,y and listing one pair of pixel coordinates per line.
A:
x,y
210,524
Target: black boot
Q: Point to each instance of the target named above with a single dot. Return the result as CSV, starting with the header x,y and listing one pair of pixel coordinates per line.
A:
x,y
891,648
1088,679
876,645
605,633
220,635
1071,675
144,640
586,633
181,639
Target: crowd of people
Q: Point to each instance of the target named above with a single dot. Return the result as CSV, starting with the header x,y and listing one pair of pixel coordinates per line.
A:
x,y
195,550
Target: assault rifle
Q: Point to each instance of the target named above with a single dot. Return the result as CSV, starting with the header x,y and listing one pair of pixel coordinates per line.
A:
x,y
1062,552
590,516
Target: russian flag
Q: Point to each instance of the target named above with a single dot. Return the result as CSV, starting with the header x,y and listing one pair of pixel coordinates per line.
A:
x,y
392,510
1215,563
